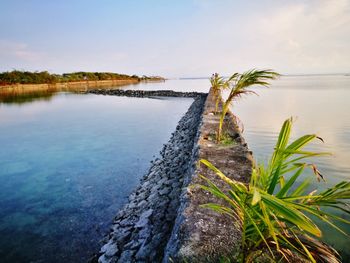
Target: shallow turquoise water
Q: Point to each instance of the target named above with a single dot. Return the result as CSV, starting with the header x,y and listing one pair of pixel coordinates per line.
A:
x,y
68,163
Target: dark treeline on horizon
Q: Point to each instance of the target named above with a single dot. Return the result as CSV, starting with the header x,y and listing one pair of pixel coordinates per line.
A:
x,y
44,77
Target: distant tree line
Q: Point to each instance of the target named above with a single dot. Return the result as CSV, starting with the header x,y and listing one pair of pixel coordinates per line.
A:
x,y
153,78
44,77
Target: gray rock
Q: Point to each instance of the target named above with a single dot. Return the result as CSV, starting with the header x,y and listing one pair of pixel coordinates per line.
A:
x,y
174,194
170,181
155,188
143,221
150,175
147,213
126,222
132,197
165,191
145,184
126,256
110,249
122,235
133,245
132,204
177,184
142,195
153,197
142,204
143,252
105,259
162,181
144,225
144,233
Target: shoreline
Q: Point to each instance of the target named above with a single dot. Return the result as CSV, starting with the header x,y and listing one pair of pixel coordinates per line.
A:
x,y
76,86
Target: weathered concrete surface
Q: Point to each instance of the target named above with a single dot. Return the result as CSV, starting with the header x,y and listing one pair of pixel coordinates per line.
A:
x,y
200,235
142,228
146,93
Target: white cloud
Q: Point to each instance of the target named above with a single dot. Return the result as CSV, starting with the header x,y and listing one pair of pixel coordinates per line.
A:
x,y
312,37
15,55
291,37
18,51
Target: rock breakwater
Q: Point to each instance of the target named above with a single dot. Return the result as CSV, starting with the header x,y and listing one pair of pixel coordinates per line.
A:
x,y
146,93
201,235
141,230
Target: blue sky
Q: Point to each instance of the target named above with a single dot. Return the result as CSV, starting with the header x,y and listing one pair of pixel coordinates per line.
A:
x,y
175,38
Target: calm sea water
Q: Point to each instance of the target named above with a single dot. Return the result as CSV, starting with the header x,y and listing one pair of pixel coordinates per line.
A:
x,y
67,163
319,104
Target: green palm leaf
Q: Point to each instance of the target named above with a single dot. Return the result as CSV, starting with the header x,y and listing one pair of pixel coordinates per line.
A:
x,y
239,85
274,209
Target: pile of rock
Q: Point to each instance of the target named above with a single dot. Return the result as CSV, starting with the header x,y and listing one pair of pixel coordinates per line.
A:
x,y
141,230
146,93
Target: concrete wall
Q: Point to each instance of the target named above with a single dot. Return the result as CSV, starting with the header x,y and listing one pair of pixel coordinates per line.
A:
x,y
200,235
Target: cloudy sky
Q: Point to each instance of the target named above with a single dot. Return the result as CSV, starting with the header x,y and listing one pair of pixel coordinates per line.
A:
x,y
179,38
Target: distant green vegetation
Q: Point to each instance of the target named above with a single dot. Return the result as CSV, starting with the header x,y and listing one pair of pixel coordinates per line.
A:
x,y
79,76
26,77
44,77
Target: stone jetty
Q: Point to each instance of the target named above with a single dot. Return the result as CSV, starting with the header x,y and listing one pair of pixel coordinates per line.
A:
x,y
163,220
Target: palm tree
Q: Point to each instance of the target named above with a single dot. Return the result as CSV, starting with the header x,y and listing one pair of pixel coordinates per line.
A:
x,y
217,84
274,209
239,84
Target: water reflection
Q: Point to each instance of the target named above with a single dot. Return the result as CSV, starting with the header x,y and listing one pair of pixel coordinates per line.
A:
x,y
30,93
14,98
68,164
52,150
319,105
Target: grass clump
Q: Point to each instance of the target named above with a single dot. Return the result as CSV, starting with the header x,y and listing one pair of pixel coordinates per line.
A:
x,y
226,140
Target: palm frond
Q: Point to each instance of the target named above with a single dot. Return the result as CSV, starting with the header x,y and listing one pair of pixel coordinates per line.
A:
x,y
274,209
239,85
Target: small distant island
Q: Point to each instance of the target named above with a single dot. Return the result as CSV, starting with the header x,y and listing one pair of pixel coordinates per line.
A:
x,y
44,77
23,83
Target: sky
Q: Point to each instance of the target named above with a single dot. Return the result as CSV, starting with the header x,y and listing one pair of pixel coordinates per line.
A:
x,y
182,38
